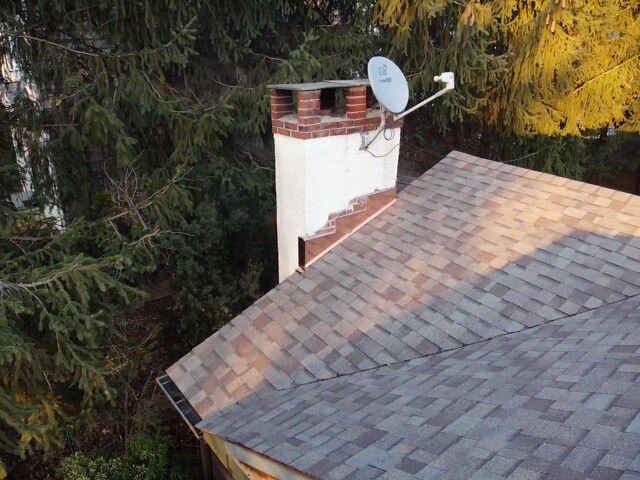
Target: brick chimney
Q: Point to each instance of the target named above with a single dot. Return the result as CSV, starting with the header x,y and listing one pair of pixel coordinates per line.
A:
x,y
327,186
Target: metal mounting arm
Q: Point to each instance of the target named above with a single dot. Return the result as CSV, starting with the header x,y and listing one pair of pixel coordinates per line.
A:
x,y
446,77
450,84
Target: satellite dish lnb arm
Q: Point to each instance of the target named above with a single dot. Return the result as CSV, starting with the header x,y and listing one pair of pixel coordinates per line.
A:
x,y
447,78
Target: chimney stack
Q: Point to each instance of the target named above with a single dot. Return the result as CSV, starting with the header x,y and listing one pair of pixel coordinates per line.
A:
x,y
326,186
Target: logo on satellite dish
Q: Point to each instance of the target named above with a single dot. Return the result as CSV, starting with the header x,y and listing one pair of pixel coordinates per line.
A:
x,y
388,84
382,72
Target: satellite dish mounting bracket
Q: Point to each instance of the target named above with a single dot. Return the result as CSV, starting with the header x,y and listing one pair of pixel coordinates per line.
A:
x,y
390,87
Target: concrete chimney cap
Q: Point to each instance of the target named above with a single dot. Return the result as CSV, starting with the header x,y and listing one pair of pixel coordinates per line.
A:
x,y
302,87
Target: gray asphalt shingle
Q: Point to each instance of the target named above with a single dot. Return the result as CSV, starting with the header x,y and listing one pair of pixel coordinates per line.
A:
x,y
508,430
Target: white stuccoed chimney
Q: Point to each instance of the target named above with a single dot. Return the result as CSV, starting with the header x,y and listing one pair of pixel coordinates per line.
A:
x,y
326,186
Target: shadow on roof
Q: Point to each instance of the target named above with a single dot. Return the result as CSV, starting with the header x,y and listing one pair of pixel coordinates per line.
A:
x,y
473,250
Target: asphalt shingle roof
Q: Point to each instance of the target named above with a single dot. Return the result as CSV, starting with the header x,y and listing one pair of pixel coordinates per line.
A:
x,y
473,250
561,399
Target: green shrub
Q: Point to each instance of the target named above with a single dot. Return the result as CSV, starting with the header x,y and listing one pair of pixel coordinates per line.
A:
x,y
146,458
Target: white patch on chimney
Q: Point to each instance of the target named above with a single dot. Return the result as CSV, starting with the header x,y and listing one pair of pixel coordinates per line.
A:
x,y
320,176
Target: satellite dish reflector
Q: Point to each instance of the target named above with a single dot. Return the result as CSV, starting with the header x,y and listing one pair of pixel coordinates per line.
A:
x,y
388,84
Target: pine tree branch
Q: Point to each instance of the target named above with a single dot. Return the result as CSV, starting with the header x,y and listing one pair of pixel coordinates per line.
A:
x,y
515,160
155,233
15,241
15,34
254,163
126,191
151,200
267,57
600,75
152,86
222,84
8,33
31,239
29,286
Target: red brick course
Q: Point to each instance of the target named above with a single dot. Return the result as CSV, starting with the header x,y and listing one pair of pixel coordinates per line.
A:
x,y
356,102
301,135
308,122
281,103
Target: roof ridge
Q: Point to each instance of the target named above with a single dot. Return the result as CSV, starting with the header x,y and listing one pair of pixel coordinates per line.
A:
x,y
507,167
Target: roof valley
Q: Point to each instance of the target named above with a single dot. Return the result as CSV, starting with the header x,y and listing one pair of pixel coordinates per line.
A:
x,y
447,351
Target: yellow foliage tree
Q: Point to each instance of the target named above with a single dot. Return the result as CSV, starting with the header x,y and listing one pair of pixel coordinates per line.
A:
x,y
554,67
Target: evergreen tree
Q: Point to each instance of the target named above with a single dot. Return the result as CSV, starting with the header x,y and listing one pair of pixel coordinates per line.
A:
x,y
148,128
147,122
59,298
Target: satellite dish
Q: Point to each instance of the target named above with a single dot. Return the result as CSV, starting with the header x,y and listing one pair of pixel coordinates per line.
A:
x,y
388,84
